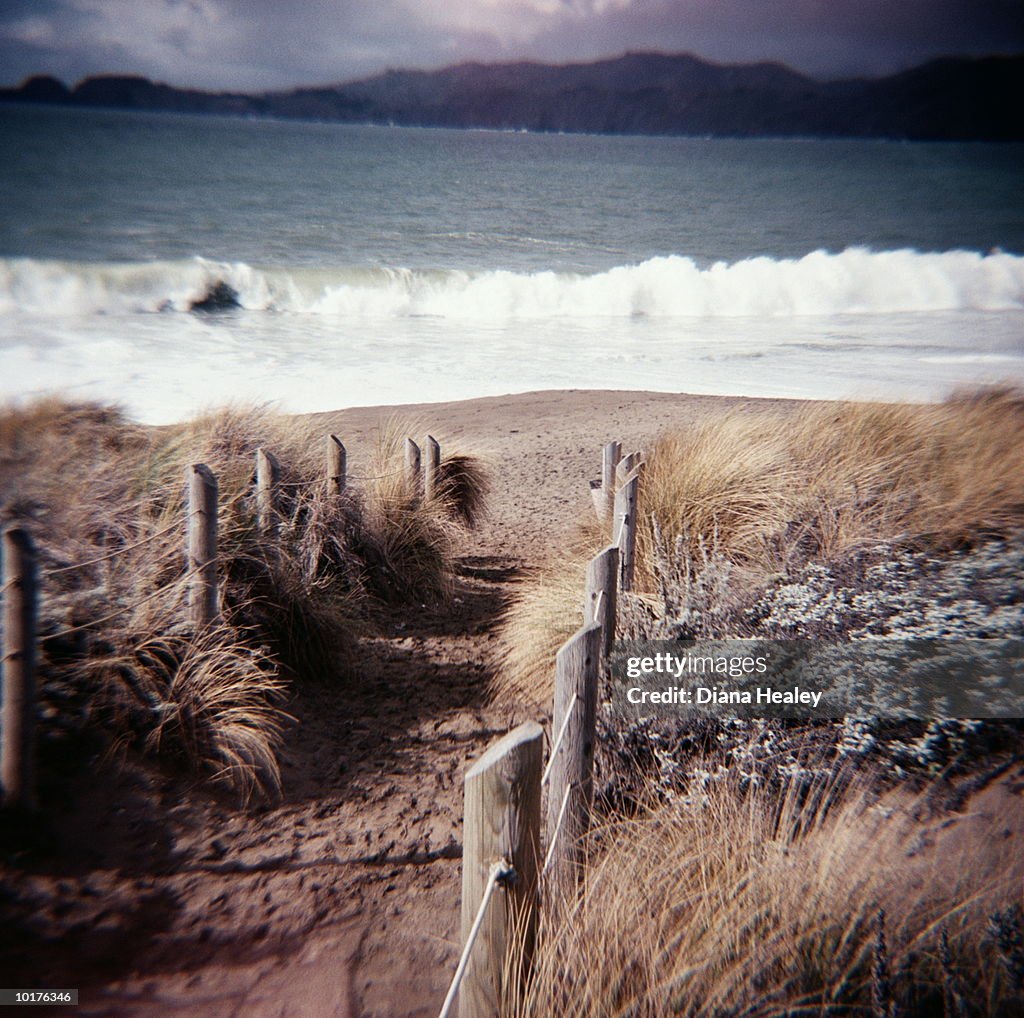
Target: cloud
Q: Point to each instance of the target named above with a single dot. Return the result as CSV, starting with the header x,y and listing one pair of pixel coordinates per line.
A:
x,y
258,44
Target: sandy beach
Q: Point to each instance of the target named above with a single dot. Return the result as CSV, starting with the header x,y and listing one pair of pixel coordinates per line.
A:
x,y
252,641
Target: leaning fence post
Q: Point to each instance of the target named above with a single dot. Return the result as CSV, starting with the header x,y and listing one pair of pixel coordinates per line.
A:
x,y
431,468
17,689
571,789
412,466
268,476
337,463
202,545
624,530
610,456
502,822
599,602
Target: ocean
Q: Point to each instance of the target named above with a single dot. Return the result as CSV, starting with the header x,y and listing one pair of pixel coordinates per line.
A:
x,y
383,265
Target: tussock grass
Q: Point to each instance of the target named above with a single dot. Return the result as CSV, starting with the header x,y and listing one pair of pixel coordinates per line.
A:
x,y
542,618
750,904
774,491
411,541
208,701
763,495
463,487
105,499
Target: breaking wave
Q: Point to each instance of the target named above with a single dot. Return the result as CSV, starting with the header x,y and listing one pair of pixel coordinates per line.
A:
x,y
854,281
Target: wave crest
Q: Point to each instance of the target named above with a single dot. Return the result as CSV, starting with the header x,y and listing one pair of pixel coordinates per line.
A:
x,y
854,281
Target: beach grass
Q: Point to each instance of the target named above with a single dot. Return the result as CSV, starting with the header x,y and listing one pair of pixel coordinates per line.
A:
x,y
104,499
756,497
818,900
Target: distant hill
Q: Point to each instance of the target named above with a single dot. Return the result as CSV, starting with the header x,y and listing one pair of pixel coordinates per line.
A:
x,y
637,93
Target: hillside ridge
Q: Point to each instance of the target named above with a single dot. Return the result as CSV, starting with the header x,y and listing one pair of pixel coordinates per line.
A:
x,y
953,98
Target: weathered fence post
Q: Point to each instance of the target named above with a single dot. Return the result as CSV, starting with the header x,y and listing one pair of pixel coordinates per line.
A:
x,y
599,602
20,594
610,456
502,822
571,789
431,468
202,545
337,465
268,476
624,530
412,466
625,467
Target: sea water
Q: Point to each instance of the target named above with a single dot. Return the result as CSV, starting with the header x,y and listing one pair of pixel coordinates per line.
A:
x,y
381,265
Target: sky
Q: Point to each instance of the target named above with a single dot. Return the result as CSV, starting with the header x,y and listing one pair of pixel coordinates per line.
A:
x,y
255,45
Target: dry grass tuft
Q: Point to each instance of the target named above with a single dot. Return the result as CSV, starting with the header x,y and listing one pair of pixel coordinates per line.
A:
x,y
463,486
747,904
208,702
773,491
409,542
543,617
105,500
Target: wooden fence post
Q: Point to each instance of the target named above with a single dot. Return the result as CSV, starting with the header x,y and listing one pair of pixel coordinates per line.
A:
x,y
624,530
610,456
625,467
412,466
20,595
599,602
202,545
571,789
268,476
431,468
502,821
337,465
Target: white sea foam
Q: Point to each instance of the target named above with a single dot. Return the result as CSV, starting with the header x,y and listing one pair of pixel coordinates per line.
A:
x,y
854,281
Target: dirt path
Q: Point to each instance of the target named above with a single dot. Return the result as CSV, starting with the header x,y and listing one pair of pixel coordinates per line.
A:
x,y
343,899
154,898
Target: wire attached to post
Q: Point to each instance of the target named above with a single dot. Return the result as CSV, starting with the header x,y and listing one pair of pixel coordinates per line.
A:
x,y
558,829
503,873
558,741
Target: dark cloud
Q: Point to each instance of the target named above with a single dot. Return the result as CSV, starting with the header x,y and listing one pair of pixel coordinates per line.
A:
x,y
256,44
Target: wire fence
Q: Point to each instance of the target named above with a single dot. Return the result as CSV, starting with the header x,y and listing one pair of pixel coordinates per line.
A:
x,y
310,483
55,572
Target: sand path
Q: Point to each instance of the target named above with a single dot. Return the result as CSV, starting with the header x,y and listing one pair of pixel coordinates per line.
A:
x,y
344,898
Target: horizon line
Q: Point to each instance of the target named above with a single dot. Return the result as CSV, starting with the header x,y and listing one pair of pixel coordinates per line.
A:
x,y
525,61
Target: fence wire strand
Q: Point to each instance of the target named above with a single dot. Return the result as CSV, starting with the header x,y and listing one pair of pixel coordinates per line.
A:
x,y
131,607
501,870
118,551
377,477
348,477
558,742
558,830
